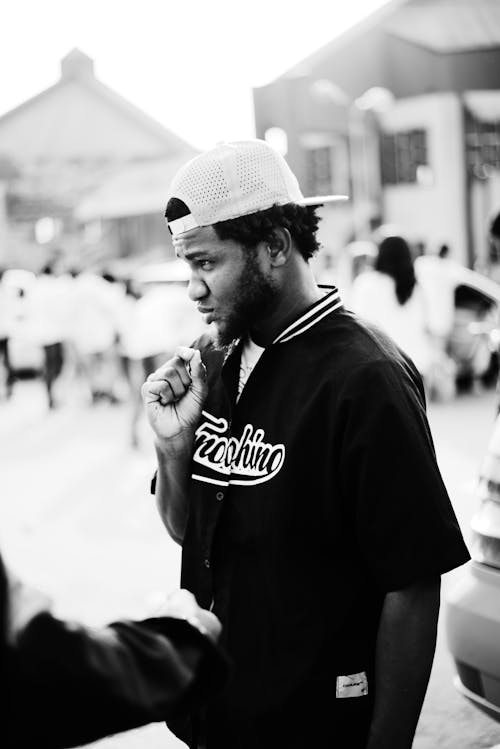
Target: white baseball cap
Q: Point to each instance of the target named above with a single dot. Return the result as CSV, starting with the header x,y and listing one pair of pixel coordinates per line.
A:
x,y
235,179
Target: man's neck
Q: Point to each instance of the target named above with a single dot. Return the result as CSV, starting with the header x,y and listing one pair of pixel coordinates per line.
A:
x,y
296,296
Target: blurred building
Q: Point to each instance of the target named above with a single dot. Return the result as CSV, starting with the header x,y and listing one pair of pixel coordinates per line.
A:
x,y
402,112
60,147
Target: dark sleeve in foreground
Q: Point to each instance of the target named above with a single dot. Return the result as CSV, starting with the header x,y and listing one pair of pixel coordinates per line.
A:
x,y
68,685
406,526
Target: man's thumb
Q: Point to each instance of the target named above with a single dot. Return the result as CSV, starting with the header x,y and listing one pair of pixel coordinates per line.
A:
x,y
198,372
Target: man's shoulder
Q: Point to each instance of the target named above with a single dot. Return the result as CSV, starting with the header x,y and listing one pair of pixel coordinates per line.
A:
x,y
357,351
351,340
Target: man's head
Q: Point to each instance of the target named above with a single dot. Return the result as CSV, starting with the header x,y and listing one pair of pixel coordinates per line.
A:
x,y
237,215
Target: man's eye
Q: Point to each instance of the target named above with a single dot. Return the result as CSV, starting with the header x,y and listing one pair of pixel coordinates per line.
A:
x,y
206,264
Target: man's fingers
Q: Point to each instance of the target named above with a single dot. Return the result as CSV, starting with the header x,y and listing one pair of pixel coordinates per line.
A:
x,y
188,365
185,353
157,391
169,389
164,372
176,382
160,390
198,370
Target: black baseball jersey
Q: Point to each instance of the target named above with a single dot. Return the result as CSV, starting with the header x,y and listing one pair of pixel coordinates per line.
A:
x,y
311,497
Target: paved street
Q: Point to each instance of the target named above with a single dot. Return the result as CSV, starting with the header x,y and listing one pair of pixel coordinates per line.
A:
x,y
77,520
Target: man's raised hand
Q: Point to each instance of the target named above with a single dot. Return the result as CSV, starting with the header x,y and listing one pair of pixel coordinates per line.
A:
x,y
174,394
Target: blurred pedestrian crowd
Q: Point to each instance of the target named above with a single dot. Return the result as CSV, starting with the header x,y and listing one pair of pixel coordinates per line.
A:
x,y
434,308
95,337
88,335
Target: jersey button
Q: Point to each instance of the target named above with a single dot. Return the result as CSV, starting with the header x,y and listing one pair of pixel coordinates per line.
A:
x,y
219,496
206,562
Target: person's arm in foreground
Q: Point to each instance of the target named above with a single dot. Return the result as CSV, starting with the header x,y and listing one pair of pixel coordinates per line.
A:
x,y
66,684
174,397
406,642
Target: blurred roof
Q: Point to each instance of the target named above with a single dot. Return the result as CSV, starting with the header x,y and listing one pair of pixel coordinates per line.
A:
x,y
448,25
79,118
324,52
134,190
440,25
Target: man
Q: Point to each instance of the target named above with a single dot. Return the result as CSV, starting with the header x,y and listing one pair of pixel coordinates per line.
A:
x,y
63,684
296,467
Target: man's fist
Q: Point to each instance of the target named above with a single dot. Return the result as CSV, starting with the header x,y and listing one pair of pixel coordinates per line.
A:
x,y
175,393
182,605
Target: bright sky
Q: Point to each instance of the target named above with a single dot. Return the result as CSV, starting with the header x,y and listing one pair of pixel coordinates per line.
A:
x,y
190,64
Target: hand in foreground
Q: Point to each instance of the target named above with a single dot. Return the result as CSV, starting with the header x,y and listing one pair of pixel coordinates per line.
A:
x,y
182,605
175,393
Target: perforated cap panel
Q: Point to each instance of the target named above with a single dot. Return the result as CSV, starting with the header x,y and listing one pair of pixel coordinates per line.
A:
x,y
235,179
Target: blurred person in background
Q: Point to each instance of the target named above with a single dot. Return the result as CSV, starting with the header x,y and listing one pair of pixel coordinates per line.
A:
x,y
435,274
6,322
390,297
48,314
96,305
437,277
356,258
155,319
64,684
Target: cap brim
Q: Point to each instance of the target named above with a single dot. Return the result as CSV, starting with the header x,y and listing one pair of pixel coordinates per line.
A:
x,y
322,199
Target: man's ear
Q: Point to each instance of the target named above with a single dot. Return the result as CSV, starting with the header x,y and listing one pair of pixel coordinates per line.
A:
x,y
280,247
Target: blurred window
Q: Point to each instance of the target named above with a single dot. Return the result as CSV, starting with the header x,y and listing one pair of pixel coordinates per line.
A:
x,y
327,167
483,146
403,156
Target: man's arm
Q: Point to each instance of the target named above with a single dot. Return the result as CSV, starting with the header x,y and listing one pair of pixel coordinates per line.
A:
x,y
406,642
174,397
171,485
77,684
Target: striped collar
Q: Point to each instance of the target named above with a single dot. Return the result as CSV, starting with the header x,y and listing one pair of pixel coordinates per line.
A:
x,y
323,307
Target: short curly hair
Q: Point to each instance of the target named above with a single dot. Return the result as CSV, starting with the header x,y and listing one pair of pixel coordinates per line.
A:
x,y
301,221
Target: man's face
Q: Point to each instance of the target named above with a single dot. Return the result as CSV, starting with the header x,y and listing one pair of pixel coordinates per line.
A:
x,y
231,285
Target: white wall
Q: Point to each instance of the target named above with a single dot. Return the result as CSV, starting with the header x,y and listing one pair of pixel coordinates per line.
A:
x,y
432,213
3,222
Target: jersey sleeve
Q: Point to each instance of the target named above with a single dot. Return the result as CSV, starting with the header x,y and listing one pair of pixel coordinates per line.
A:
x,y
406,528
77,684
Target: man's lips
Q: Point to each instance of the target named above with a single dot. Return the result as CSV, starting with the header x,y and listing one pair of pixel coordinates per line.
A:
x,y
208,313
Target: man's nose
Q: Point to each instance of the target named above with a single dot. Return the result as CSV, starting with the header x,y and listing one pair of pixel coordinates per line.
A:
x,y
197,288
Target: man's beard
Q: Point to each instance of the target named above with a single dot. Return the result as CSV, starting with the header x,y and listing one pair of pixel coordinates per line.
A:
x,y
252,299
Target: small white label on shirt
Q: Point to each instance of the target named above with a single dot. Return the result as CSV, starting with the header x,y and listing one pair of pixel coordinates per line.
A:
x,y
354,685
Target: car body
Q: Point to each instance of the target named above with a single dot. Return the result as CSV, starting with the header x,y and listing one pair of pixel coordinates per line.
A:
x,y
475,337
473,605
